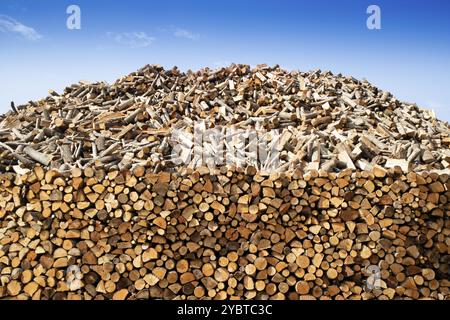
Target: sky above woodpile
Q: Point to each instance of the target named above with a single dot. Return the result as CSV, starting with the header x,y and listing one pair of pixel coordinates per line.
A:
x,y
408,56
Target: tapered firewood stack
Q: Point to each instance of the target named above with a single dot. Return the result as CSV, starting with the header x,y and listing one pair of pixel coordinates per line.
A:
x,y
93,204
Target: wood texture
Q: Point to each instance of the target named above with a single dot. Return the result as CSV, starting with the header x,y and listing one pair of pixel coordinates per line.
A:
x,y
223,234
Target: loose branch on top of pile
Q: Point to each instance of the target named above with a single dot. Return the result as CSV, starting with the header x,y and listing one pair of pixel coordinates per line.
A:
x,y
334,122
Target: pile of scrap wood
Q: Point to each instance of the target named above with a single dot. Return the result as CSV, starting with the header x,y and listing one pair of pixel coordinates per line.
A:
x,y
327,122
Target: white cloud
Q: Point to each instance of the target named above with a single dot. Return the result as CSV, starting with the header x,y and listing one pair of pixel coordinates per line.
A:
x,y
9,25
183,33
221,64
132,39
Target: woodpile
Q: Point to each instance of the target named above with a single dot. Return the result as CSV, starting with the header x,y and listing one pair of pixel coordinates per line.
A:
x,y
224,234
328,122
94,205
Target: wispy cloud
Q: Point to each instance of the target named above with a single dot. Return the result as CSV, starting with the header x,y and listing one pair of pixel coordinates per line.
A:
x,y
183,33
132,39
221,63
433,105
9,25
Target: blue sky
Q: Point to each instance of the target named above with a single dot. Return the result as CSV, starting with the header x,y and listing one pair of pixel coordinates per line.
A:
x,y
409,56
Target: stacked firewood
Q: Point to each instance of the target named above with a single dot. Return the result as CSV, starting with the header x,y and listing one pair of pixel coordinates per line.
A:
x,y
223,234
328,122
